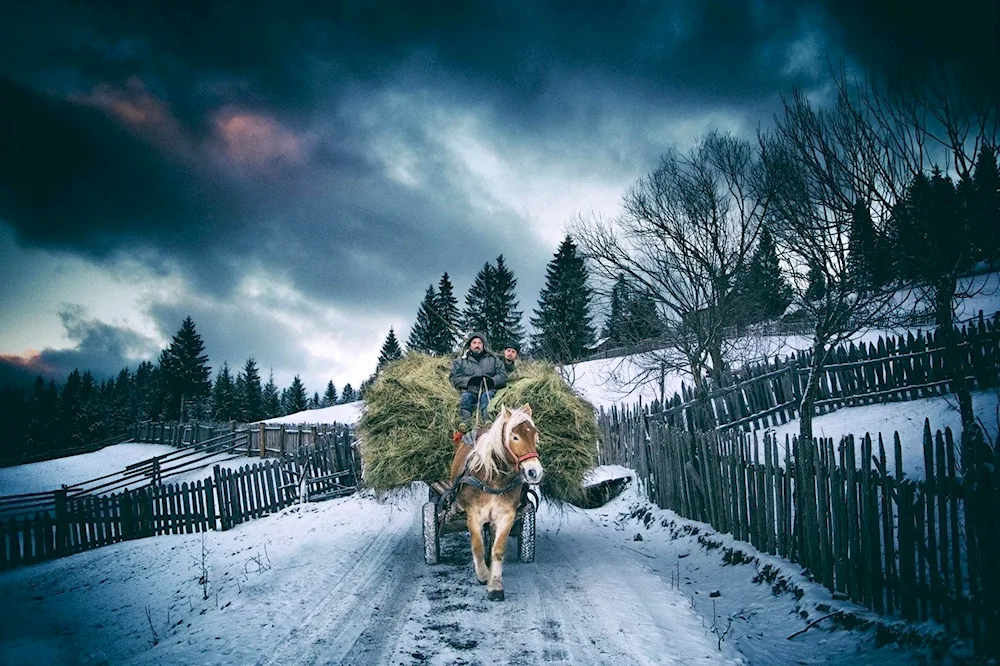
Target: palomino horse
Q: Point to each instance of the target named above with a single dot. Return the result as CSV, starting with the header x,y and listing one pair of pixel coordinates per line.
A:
x,y
490,477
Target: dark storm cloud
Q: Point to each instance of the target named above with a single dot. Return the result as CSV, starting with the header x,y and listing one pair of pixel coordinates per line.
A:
x,y
886,34
71,177
79,174
99,348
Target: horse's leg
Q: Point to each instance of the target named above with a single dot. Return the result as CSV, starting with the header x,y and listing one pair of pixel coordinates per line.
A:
x,y
474,519
503,521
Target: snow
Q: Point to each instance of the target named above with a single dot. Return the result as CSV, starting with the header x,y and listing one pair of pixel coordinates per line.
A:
x,y
905,418
348,413
51,474
344,582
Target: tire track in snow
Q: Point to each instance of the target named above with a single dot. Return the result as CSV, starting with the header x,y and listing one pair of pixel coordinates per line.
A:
x,y
352,620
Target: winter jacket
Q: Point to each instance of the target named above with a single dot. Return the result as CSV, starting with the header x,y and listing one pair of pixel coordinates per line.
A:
x,y
469,370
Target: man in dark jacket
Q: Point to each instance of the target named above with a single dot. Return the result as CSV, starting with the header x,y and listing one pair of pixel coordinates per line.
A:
x,y
510,354
477,374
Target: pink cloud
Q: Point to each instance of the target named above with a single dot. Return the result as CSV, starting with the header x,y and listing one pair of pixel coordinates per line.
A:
x,y
254,139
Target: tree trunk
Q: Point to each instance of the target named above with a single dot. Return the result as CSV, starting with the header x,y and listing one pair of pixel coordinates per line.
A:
x,y
955,366
809,394
718,365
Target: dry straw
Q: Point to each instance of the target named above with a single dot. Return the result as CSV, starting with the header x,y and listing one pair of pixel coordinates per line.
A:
x,y
411,411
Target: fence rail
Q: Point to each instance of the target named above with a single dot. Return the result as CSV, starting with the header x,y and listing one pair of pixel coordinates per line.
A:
x,y
891,369
41,526
925,549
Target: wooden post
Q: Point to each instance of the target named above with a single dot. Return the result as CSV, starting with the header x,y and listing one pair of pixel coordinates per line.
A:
x,y
62,522
262,435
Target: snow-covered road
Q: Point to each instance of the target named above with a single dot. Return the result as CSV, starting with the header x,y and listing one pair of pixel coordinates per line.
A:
x,y
344,582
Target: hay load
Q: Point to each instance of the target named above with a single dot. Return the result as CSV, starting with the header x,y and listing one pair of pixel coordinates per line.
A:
x,y
411,410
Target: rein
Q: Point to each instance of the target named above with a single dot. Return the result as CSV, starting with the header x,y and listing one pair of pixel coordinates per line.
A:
x,y
468,479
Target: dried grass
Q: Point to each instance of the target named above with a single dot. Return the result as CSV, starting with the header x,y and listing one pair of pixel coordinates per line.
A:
x,y
411,411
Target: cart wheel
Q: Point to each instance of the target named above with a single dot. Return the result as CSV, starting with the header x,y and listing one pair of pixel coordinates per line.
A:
x,y
432,538
488,543
526,534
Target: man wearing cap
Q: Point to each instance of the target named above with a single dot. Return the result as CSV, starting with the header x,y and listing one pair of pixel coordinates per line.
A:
x,y
477,374
510,354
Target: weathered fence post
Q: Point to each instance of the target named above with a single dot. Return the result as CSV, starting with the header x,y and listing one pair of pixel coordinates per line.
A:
x,y
262,435
62,522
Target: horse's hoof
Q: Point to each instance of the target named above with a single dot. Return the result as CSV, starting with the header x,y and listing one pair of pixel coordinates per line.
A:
x,y
494,595
483,582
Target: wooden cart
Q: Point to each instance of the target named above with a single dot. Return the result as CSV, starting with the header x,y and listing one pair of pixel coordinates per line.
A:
x,y
442,516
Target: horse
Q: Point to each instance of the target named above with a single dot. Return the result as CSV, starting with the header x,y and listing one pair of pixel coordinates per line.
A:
x,y
490,476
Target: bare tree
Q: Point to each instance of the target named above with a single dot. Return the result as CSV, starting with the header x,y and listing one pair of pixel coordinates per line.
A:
x,y
875,141
686,235
824,165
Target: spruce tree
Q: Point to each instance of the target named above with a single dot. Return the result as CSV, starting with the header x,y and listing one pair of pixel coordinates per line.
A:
x,y
224,403
423,335
985,204
330,395
390,350
508,328
491,306
249,393
185,373
347,394
642,321
562,322
448,315
614,325
765,293
816,286
476,314
295,398
271,398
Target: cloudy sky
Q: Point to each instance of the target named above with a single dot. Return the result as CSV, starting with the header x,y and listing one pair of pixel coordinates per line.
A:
x,y
293,175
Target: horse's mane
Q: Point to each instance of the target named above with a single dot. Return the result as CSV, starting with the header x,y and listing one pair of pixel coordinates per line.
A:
x,y
489,451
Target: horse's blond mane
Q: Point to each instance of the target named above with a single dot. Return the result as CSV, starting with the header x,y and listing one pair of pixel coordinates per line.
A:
x,y
489,450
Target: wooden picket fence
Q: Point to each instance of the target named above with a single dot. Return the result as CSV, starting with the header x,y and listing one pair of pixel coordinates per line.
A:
x,y
923,549
892,369
68,520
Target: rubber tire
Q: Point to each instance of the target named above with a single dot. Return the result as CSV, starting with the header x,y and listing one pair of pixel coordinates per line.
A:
x,y
432,537
488,543
526,534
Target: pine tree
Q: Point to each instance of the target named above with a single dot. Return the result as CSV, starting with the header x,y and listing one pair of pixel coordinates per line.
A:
x,y
330,395
347,394
508,328
476,315
422,335
295,398
642,321
764,292
390,350
613,325
816,285
449,317
315,402
562,322
224,403
271,399
249,393
985,204
185,373
491,306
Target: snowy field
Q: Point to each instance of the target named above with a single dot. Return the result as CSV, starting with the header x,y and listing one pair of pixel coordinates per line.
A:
x,y
343,582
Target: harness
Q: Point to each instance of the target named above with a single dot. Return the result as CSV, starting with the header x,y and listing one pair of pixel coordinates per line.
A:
x,y
465,478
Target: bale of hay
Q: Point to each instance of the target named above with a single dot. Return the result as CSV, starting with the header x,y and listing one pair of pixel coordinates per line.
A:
x,y
411,411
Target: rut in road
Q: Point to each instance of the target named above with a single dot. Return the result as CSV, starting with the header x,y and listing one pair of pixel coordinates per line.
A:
x,y
580,602
352,620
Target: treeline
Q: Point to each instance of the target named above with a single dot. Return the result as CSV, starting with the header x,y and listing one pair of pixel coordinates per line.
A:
x,y
49,418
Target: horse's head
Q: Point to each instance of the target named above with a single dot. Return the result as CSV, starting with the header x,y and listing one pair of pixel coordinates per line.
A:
x,y
520,438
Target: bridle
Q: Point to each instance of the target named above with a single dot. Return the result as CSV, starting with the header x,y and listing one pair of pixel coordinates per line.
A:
x,y
516,458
